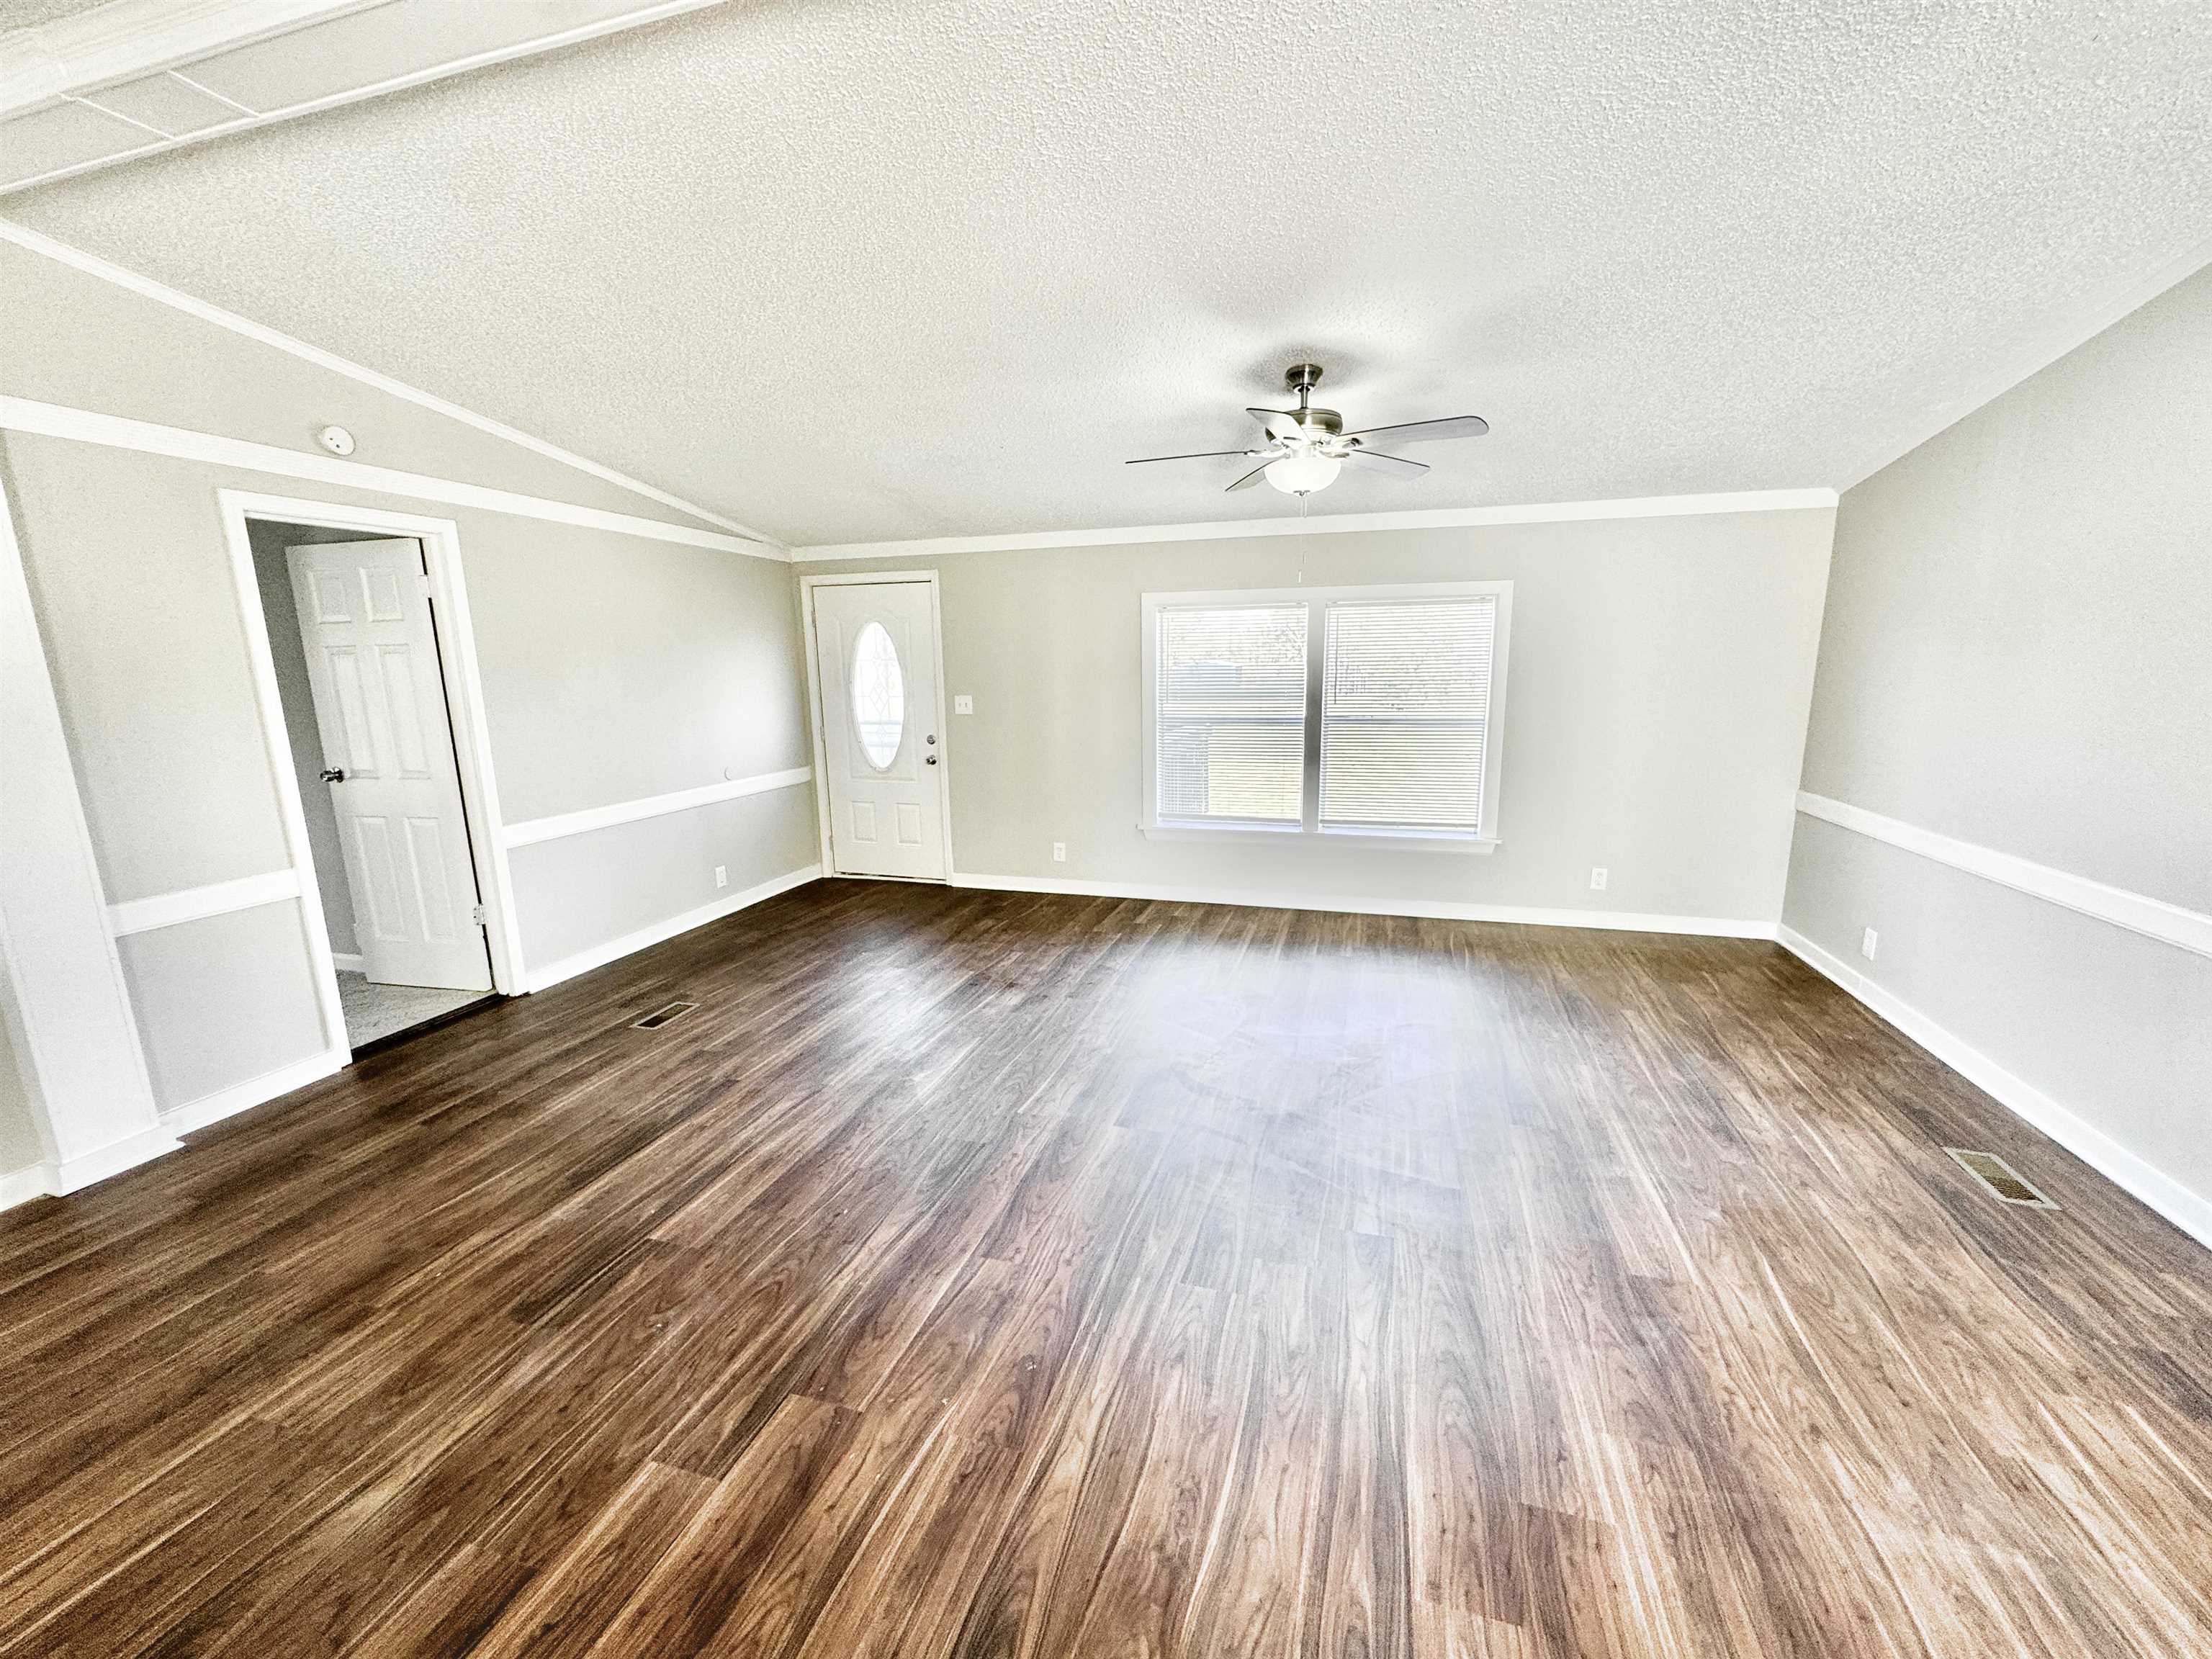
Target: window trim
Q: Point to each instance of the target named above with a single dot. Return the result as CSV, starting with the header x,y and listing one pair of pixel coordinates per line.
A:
x,y
1308,829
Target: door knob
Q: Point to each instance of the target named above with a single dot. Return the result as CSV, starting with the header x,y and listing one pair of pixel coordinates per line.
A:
x,y
334,774
930,760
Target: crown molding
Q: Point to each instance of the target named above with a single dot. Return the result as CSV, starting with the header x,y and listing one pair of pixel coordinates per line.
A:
x,y
2045,350
1441,517
91,264
117,432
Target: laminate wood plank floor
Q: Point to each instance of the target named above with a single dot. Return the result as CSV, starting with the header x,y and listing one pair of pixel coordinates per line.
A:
x,y
998,1274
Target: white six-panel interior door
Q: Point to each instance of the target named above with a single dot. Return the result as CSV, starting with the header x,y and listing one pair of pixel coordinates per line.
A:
x,y
372,650
882,755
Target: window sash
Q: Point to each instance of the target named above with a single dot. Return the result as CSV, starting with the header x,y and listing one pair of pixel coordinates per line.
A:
x,y
1405,712
1229,731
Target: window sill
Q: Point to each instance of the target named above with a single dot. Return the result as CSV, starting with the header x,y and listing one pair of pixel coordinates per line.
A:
x,y
1390,840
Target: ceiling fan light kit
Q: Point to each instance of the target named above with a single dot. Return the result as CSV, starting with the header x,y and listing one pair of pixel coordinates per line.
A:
x,y
1307,448
1303,473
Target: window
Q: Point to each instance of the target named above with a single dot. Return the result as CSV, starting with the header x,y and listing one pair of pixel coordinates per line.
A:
x,y
879,696
1362,714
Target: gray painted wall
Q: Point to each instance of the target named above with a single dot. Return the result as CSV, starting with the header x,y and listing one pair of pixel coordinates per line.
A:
x,y
1659,674
222,1000
613,667
2113,1026
583,890
278,609
2018,653
129,574
19,1130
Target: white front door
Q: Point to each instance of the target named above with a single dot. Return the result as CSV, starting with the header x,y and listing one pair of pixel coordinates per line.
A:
x,y
885,758
388,752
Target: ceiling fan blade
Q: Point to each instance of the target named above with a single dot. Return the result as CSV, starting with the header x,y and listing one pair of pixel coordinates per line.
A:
x,y
1254,474
1279,422
1396,466
1421,432
1196,455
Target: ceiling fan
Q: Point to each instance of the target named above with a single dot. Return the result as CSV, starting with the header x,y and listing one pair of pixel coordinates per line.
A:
x,y
1306,447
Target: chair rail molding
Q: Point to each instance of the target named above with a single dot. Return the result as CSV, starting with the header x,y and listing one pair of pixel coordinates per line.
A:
x,y
530,831
193,903
2139,913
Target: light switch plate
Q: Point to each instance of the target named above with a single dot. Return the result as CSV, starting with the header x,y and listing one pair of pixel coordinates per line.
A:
x,y
963,704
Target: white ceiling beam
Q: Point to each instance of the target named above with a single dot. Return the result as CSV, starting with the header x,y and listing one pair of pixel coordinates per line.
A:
x,y
126,39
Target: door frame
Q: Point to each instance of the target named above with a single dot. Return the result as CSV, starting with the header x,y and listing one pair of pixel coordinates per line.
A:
x,y
465,711
807,585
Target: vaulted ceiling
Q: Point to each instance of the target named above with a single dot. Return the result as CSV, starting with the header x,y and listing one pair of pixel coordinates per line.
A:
x,y
855,271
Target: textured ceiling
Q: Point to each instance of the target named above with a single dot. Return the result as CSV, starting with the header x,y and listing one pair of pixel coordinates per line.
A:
x,y
852,271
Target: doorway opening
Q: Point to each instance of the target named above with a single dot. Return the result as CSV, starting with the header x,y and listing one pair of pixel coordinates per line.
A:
x,y
381,763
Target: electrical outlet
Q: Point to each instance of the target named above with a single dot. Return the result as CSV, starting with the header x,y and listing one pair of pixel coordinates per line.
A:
x,y
1060,852
1867,940
963,704
1598,878
721,875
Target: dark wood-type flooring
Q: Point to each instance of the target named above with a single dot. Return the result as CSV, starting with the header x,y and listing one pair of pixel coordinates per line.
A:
x,y
986,1274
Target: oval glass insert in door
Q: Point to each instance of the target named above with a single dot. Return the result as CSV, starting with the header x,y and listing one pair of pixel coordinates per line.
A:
x,y
879,696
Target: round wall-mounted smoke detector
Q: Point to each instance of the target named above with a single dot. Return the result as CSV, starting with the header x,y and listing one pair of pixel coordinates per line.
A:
x,y
336,439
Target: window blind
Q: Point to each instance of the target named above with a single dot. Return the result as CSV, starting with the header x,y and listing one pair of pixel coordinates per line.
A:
x,y
1405,712
1231,710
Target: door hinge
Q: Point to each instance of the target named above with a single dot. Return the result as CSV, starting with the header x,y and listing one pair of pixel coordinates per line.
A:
x,y
422,583
477,914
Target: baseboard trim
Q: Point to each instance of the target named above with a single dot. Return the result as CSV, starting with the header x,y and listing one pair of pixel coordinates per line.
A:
x,y
1622,921
2186,1210
346,962
73,1175
539,978
254,1092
